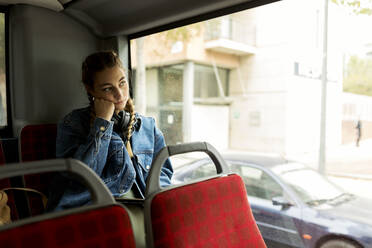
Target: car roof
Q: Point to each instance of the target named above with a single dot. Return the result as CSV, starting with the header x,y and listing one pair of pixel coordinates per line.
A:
x,y
265,160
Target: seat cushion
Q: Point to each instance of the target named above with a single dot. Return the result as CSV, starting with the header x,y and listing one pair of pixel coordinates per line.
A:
x,y
211,213
105,227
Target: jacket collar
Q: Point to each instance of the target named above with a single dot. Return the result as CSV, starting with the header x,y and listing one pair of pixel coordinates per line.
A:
x,y
137,122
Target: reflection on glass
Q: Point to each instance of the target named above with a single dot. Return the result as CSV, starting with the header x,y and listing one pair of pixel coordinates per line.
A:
x,y
310,186
258,183
251,83
3,113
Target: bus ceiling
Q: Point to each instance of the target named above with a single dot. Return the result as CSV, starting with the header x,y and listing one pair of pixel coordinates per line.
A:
x,y
49,4
107,18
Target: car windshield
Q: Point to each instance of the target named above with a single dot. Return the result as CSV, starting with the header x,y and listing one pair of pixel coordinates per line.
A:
x,y
310,186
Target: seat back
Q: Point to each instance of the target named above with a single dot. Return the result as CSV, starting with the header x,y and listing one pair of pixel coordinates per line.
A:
x,y
213,212
102,224
38,142
100,227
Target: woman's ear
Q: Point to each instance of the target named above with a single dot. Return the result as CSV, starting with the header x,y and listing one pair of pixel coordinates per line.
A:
x,y
89,89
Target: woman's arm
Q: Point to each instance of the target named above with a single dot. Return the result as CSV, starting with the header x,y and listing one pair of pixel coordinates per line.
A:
x,y
92,148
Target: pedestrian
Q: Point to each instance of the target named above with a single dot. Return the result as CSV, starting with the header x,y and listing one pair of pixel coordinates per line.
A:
x,y
359,131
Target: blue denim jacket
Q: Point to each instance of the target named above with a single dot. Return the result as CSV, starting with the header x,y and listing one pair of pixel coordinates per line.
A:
x,y
103,150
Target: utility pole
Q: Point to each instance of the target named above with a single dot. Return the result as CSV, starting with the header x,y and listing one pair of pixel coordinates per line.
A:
x,y
140,90
323,111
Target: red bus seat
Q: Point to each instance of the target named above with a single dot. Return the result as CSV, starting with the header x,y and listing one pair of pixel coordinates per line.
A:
x,y
37,142
102,224
100,227
213,212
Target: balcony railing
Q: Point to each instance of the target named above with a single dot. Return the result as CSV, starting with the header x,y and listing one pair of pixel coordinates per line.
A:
x,y
231,29
230,36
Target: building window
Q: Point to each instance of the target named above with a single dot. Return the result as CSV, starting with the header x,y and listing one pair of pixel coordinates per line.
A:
x,y
170,86
210,82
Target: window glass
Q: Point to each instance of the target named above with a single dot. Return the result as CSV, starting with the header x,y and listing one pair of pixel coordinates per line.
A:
x,y
208,169
301,180
250,83
258,183
3,108
210,82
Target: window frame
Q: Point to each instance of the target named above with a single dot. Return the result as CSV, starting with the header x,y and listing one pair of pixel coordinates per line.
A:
x,y
7,131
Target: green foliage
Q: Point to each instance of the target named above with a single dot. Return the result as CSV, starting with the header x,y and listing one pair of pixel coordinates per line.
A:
x,y
184,33
363,7
358,78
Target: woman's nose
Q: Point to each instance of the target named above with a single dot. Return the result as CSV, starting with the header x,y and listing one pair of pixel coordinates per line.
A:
x,y
118,93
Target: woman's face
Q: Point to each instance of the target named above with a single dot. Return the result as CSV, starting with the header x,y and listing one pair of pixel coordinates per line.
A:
x,y
111,85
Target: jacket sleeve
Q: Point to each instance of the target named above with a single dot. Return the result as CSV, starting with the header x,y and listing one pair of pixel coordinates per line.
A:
x,y
91,149
167,170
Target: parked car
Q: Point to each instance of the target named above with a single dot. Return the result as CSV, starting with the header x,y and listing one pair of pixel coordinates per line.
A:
x,y
293,204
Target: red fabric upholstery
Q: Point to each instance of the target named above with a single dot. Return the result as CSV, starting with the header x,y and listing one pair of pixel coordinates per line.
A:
x,y
2,155
212,213
38,142
108,227
5,183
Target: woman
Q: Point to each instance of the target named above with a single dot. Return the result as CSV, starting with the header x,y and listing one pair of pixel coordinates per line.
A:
x,y
108,136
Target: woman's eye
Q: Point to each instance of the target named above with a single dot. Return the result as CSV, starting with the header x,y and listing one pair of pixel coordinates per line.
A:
x,y
106,89
122,83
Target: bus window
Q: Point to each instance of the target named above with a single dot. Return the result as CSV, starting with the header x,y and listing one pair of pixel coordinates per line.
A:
x,y
3,96
251,83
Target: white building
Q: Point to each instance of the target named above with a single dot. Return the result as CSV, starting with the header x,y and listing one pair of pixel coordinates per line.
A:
x,y
256,81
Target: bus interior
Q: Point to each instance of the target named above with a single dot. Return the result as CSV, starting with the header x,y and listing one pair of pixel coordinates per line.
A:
x,y
241,78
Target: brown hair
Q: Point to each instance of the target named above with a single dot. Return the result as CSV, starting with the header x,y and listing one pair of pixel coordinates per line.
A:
x,y
97,62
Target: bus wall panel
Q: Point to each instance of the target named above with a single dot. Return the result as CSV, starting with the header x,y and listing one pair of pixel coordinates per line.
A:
x,y
46,52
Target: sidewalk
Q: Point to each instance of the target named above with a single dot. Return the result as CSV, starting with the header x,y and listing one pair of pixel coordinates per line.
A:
x,y
344,161
350,160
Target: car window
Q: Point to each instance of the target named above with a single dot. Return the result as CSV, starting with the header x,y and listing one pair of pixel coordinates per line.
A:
x,y
257,182
205,170
301,180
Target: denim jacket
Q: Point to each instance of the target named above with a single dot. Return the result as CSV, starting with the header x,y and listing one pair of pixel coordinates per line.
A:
x,y
103,150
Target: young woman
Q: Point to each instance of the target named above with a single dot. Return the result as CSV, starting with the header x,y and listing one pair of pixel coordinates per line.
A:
x,y
108,136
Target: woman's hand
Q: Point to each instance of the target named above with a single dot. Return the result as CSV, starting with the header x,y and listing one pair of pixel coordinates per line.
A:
x,y
103,108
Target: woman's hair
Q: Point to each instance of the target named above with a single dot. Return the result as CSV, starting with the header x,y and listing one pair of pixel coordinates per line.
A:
x,y
97,62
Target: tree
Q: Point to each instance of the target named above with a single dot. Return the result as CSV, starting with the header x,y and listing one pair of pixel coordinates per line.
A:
x,y
183,34
358,76
356,6
167,39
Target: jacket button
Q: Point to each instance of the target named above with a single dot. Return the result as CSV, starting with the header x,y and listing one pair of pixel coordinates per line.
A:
x,y
147,167
102,128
